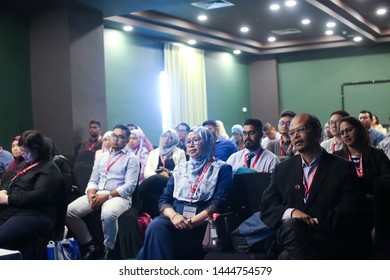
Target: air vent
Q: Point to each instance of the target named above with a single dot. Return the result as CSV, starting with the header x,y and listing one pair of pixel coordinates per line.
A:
x,y
212,4
287,31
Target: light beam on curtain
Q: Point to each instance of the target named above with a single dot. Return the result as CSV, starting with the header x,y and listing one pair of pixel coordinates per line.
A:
x,y
186,84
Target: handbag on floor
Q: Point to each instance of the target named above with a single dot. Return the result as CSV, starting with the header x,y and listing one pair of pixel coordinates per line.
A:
x,y
66,249
218,229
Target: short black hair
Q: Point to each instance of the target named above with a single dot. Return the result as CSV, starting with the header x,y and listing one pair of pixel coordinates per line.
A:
x,y
35,141
123,127
342,113
132,124
210,122
365,112
98,123
287,113
256,123
183,124
267,126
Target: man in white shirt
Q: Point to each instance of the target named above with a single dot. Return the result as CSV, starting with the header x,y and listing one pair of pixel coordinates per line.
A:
x,y
269,133
335,143
113,180
253,156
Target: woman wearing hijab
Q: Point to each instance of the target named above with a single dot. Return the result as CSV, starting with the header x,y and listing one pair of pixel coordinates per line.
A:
x,y
18,159
161,161
136,145
197,189
106,143
238,136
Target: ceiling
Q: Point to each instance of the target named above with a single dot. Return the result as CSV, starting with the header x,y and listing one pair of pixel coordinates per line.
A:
x,y
176,21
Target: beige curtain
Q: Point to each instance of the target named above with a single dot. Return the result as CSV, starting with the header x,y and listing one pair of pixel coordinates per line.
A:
x,y
186,85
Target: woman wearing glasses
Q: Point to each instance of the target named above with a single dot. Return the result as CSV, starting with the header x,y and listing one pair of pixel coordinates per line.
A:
x,y
197,189
30,205
161,161
369,162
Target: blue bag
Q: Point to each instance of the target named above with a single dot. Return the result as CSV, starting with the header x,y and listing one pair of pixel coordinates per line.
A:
x,y
67,249
250,233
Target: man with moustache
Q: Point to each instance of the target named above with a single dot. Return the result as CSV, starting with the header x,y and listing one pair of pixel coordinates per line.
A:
x,y
253,156
313,199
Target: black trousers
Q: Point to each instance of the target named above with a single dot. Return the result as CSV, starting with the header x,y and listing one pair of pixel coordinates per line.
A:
x,y
297,240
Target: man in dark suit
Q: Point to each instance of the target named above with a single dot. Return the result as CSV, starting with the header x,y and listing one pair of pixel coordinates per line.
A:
x,y
313,198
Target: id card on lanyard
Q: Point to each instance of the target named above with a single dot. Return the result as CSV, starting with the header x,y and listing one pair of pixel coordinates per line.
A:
x,y
307,185
102,182
200,178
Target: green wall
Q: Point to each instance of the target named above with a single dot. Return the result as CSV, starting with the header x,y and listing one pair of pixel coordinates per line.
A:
x,y
228,88
311,82
133,66
15,92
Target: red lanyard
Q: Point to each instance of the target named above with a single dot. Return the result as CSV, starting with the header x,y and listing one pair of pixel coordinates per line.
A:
x,y
24,170
255,161
111,164
359,170
281,150
308,185
195,186
164,161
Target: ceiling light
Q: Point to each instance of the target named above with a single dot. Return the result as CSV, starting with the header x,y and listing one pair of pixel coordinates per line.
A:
x,y
244,29
127,28
290,3
381,11
329,32
236,52
191,42
271,39
202,17
331,24
274,7
305,21
357,38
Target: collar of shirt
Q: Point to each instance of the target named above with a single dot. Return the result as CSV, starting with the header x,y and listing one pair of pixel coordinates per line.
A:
x,y
314,163
255,151
124,150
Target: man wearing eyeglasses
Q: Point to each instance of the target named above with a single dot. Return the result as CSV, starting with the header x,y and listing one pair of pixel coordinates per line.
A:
x,y
336,143
313,199
113,180
253,157
283,147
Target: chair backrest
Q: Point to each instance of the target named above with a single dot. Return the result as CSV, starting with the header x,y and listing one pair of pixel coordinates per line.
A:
x,y
248,190
382,214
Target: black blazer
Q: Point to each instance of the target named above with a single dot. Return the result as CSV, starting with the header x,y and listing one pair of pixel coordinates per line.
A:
x,y
334,197
375,164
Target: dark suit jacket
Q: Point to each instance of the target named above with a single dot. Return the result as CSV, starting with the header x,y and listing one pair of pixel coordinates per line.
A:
x,y
375,164
334,197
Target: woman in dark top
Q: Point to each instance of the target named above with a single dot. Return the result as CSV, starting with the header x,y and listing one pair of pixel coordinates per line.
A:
x,y
197,189
30,206
18,159
369,161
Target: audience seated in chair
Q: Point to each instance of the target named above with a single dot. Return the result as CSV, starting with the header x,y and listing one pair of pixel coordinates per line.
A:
x,y
178,232
34,202
110,188
159,166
